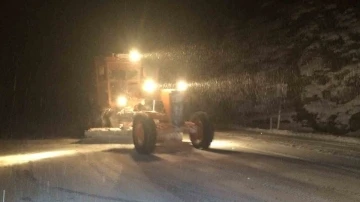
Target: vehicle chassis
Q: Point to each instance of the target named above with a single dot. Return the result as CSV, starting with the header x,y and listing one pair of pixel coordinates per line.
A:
x,y
151,127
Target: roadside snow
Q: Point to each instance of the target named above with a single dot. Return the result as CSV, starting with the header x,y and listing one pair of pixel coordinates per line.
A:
x,y
322,136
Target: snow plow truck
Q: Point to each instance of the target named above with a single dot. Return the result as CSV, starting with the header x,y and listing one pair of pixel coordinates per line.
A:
x,y
131,99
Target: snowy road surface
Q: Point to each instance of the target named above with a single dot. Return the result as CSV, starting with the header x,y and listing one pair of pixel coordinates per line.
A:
x,y
241,166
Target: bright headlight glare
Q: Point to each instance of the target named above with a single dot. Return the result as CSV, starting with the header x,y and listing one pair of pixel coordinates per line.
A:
x,y
121,101
135,55
181,86
149,86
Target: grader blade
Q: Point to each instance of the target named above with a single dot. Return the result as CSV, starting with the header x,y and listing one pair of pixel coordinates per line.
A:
x,y
107,136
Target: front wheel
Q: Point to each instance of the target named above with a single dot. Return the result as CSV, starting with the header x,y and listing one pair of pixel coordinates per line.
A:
x,y
144,134
202,138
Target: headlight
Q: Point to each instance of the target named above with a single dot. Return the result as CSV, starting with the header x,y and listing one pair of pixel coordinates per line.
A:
x,y
149,86
134,56
181,85
121,101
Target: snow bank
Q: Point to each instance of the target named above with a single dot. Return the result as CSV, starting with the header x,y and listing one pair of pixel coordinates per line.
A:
x,y
321,136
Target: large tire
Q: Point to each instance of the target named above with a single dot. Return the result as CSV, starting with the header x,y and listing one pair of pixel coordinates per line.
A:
x,y
105,119
106,122
144,134
354,122
205,131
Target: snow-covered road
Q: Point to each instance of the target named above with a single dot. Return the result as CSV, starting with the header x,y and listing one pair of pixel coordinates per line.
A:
x,y
240,166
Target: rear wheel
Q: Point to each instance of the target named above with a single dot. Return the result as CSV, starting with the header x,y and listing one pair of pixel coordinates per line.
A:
x,y
106,122
144,134
105,119
202,138
354,122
